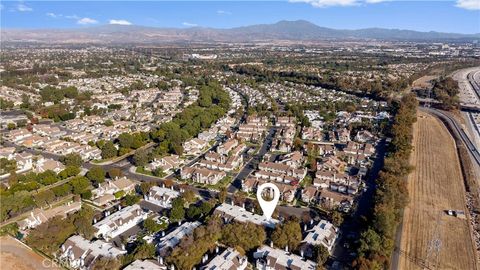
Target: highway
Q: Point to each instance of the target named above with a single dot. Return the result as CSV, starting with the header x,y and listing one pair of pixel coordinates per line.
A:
x,y
457,131
474,79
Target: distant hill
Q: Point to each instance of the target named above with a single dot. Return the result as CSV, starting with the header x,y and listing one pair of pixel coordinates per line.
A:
x,y
284,30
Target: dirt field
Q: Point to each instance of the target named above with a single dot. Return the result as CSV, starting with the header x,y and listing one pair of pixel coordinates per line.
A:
x,y
423,82
435,185
14,255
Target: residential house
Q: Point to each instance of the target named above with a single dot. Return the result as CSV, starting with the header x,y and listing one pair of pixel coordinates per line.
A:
x,y
80,253
202,175
269,258
106,190
230,212
324,233
226,147
161,196
44,164
167,163
194,146
39,215
145,265
172,239
230,259
119,222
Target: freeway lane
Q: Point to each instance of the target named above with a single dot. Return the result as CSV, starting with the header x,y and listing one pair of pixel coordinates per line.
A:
x,y
457,131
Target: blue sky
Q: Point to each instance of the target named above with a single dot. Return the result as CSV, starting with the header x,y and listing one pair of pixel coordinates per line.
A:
x,y
461,16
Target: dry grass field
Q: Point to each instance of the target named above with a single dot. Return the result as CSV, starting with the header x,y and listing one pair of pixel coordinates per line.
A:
x,y
14,255
435,185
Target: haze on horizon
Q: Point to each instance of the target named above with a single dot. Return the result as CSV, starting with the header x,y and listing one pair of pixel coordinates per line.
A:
x,y
460,16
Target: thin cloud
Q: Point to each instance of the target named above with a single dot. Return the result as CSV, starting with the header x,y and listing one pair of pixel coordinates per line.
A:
x,y
327,3
223,12
52,15
468,4
375,1
189,24
73,17
23,8
120,22
85,21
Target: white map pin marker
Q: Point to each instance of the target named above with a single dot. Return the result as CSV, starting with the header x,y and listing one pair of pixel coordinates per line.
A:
x,y
268,206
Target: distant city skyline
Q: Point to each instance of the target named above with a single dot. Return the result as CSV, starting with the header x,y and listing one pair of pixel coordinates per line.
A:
x,y
461,16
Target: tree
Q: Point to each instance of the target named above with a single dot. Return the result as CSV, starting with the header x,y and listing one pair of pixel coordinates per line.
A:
x,y
69,171
96,174
62,190
247,235
145,187
222,195
49,235
189,196
119,194
108,123
86,195
190,250
83,222
11,126
131,199
7,166
109,150
44,197
320,253
177,213
337,218
106,263
144,251
140,158
114,173
287,234
72,159
151,226
79,184
125,140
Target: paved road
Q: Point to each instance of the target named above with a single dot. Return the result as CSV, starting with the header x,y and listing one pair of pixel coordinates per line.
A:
x,y
353,223
253,162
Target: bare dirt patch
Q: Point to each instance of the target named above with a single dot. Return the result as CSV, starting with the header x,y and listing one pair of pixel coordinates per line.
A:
x,y
14,255
430,238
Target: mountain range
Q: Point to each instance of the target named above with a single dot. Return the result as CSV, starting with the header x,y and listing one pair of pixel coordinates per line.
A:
x,y
283,30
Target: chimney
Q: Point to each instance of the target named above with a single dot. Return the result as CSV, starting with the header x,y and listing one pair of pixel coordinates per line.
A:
x,y
216,249
305,227
163,185
286,249
163,233
119,207
160,260
243,205
94,220
123,247
172,267
311,221
301,253
231,202
271,244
